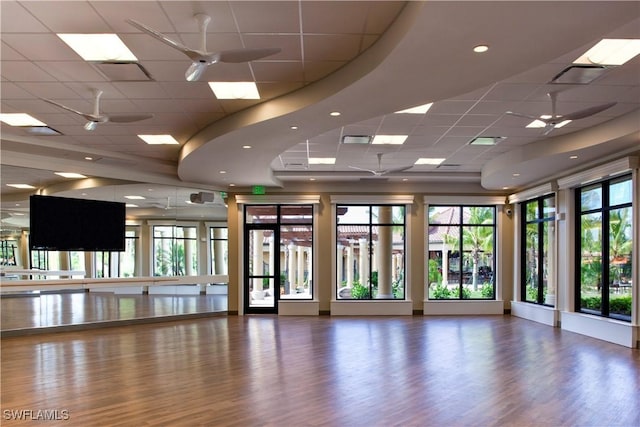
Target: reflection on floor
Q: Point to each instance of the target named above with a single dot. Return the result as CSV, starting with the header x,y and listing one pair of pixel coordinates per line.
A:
x,y
36,313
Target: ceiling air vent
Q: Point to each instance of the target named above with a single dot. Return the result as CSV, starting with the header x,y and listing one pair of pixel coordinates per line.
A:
x,y
357,139
448,166
579,74
296,166
123,71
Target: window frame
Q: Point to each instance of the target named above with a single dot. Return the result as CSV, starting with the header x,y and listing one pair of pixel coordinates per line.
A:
x,y
371,224
540,221
461,224
604,210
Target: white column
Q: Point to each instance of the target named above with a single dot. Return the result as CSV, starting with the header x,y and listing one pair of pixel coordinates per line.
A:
x,y
445,264
188,251
551,258
363,262
219,263
349,266
309,253
291,266
300,267
258,241
385,240
339,264
272,256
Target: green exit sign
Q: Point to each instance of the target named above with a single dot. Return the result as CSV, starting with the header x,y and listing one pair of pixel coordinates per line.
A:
x,y
259,189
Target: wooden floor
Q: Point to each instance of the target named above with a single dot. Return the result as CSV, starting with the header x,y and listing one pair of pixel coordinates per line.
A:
x,y
38,313
321,371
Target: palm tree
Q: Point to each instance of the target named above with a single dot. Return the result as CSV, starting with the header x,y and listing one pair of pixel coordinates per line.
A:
x,y
478,239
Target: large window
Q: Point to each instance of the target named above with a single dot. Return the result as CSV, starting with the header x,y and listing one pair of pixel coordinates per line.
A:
x,y
604,240
370,252
118,264
461,261
175,251
538,251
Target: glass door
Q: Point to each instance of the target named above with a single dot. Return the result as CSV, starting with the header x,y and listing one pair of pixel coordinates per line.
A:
x,y
262,266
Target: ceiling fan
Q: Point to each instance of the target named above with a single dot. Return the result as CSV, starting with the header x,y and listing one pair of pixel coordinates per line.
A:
x,y
556,120
95,117
202,58
380,171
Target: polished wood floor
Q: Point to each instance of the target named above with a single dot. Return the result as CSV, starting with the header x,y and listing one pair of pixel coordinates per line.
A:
x,y
321,371
41,313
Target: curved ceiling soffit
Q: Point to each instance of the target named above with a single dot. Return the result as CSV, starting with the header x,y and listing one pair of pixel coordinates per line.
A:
x,y
299,99
218,146
539,159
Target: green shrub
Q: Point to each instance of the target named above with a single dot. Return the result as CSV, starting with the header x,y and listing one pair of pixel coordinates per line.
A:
x,y
592,303
441,292
359,292
466,293
487,290
620,305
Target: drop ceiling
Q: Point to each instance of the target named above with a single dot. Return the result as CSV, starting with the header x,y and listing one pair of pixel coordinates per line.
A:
x,y
366,60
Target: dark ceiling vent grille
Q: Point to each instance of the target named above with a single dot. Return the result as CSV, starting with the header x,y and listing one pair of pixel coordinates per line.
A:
x,y
579,74
123,71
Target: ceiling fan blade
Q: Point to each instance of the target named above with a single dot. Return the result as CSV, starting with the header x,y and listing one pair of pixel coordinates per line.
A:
x,y
195,71
395,170
89,117
245,55
548,128
511,113
128,118
581,114
191,53
363,170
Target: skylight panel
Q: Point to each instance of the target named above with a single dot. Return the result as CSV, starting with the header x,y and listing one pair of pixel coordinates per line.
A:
x,y
610,52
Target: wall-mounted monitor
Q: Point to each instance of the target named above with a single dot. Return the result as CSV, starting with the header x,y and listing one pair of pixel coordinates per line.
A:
x,y
66,224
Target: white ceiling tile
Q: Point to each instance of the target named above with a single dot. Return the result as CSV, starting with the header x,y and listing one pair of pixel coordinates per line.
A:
x,y
81,16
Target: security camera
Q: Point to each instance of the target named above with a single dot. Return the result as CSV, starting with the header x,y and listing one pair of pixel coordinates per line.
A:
x,y
509,211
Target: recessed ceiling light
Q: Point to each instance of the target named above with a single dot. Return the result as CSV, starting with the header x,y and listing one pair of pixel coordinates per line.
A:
x,y
420,109
222,172
322,160
21,186
71,175
88,158
485,140
505,188
235,90
429,161
356,139
334,113
134,197
481,48
246,146
293,127
98,47
573,157
232,185
389,139
159,139
516,174
20,119
312,179
610,52
405,179
130,205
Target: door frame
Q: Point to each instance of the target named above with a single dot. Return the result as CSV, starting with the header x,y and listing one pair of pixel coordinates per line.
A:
x,y
275,274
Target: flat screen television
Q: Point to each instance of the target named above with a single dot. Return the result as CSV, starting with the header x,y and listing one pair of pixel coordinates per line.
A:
x,y
66,224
